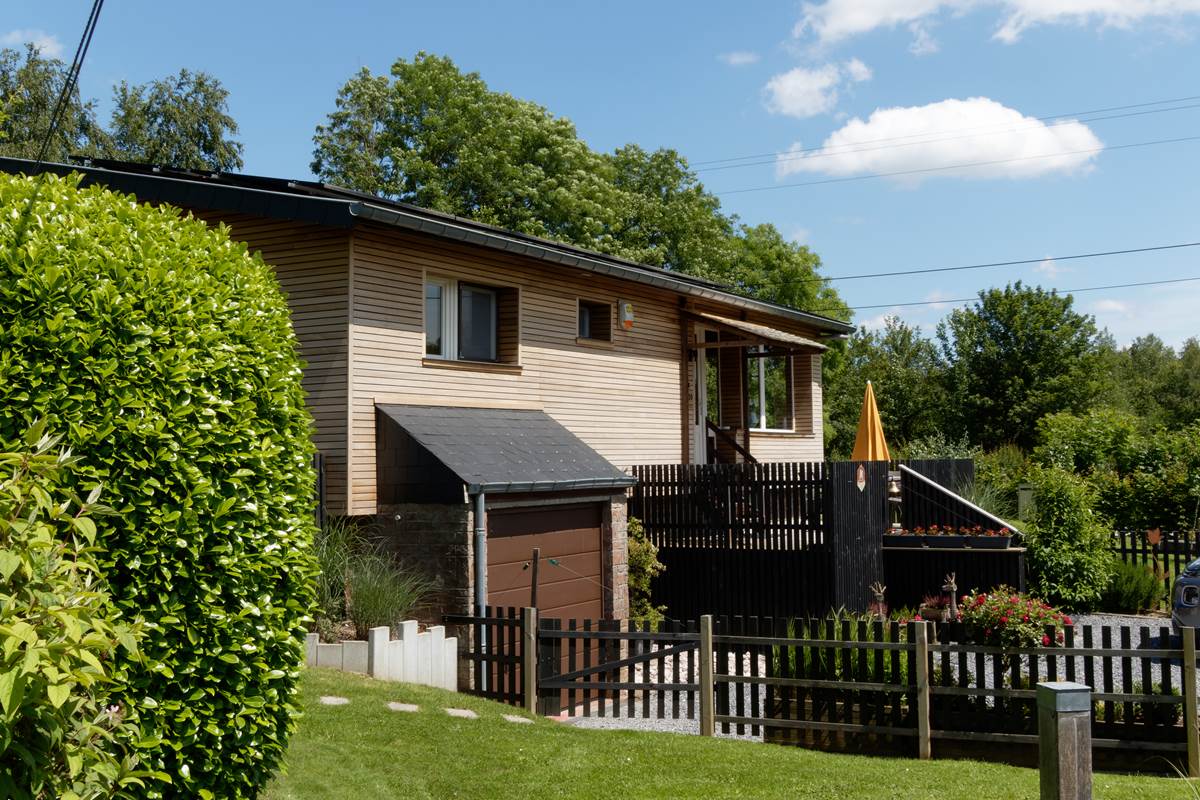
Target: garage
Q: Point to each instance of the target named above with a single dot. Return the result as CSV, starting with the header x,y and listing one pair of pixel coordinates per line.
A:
x,y
570,573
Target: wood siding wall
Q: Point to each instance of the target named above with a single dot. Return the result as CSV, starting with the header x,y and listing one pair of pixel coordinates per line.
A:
x,y
311,263
621,398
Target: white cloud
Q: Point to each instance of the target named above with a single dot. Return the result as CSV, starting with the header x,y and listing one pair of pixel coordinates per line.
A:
x,y
835,20
1050,268
923,43
1000,141
739,58
802,92
1109,306
47,43
857,71
801,235
936,295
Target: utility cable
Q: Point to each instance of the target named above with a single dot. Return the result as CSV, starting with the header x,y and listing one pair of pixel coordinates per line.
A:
x,y
1054,291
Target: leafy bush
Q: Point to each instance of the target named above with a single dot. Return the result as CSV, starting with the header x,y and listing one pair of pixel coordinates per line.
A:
x,y
643,566
58,725
1007,618
1068,546
938,445
359,582
1133,588
165,354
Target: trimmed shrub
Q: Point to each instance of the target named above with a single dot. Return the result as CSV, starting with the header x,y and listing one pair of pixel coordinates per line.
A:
x,y
643,566
164,353
58,726
1133,588
1068,546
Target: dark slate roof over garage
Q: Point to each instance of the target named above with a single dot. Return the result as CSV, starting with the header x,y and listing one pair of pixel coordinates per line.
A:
x,y
501,450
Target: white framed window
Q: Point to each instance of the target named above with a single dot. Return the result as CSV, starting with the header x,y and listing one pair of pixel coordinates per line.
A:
x,y
769,391
462,320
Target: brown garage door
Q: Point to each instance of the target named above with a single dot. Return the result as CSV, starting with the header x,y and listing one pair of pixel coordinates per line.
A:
x,y
568,534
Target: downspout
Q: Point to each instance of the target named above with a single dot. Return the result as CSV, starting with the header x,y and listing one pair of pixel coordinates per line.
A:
x,y
477,500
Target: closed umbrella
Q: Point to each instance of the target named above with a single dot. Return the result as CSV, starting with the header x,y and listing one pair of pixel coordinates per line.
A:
x,y
869,444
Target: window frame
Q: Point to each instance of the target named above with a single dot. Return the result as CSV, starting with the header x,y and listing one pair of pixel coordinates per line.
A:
x,y
593,306
494,292
755,381
451,318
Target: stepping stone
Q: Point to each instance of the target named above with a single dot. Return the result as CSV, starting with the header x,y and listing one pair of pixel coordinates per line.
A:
x,y
409,707
463,713
518,720
331,700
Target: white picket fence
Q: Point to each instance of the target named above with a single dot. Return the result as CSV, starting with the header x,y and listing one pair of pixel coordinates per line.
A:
x,y
428,657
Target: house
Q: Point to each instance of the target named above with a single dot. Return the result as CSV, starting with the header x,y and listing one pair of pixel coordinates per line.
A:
x,y
453,366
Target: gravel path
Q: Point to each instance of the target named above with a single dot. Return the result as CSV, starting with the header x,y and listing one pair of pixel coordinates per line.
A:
x,y
1096,621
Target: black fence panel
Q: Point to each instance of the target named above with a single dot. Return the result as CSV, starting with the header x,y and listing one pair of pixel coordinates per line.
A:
x,y
911,574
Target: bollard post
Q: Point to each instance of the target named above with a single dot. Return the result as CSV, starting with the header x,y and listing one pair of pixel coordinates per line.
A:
x,y
707,724
529,665
921,647
1065,740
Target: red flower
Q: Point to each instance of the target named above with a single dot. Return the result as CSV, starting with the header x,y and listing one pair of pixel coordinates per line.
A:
x,y
1046,641
1025,618
1004,620
1067,620
987,631
918,618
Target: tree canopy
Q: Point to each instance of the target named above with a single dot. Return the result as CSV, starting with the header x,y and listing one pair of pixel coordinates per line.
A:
x,y
179,121
1018,354
432,135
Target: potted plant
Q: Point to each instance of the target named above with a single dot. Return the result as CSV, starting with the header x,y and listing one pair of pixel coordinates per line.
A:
x,y
935,608
982,538
900,537
943,536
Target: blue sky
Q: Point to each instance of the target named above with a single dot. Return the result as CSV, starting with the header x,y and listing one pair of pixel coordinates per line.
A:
x,y
847,87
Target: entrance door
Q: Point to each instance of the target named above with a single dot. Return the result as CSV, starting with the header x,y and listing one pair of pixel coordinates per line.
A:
x,y
706,400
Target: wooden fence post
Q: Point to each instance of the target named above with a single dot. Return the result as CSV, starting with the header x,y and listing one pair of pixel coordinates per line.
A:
x,y
707,726
1189,701
922,653
529,663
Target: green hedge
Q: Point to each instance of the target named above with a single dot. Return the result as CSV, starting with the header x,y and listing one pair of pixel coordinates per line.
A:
x,y
1069,547
164,353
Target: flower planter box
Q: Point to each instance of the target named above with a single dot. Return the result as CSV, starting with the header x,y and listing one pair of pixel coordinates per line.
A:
x,y
902,540
945,540
988,542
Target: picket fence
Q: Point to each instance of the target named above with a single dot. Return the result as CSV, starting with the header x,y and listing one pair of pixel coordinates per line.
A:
x,y
429,657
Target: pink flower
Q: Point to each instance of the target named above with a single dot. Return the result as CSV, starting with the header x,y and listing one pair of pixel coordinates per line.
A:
x,y
1046,641
1025,618
918,618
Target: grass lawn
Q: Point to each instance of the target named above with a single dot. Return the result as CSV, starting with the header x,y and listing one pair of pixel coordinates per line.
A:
x,y
364,751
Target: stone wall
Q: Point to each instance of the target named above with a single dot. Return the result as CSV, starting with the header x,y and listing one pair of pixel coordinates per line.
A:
x,y
436,541
615,553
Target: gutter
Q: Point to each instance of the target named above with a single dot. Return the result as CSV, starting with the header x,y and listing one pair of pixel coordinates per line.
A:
x,y
506,487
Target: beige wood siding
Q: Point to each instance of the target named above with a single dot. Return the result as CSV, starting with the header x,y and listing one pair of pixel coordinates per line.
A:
x,y
621,398
312,265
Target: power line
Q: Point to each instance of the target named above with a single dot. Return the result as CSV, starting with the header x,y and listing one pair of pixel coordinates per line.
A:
x,y
1056,291
963,130
1016,263
925,170
838,150
72,79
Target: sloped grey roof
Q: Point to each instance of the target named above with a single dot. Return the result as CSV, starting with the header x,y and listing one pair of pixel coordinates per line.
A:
x,y
501,450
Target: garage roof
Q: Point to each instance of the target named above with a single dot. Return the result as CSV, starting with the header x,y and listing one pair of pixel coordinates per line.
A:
x,y
502,450
764,333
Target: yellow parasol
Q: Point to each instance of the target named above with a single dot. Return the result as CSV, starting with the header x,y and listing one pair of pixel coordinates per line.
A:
x,y
869,444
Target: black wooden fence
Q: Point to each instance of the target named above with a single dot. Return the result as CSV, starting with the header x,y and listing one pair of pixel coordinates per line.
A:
x,y
494,644
779,539
1165,552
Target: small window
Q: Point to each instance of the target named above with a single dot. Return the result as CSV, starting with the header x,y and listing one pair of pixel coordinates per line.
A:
x,y
595,321
770,391
467,322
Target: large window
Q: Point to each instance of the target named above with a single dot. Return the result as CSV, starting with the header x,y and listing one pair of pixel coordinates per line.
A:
x,y
468,322
769,390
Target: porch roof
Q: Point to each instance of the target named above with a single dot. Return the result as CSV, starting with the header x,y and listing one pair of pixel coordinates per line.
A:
x,y
762,334
503,450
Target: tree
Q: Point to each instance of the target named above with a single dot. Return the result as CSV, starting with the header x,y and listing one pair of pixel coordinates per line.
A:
x,y
439,138
1018,354
903,366
30,85
180,121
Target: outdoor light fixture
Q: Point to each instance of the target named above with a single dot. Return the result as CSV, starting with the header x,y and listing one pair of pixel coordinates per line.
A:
x,y
893,490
